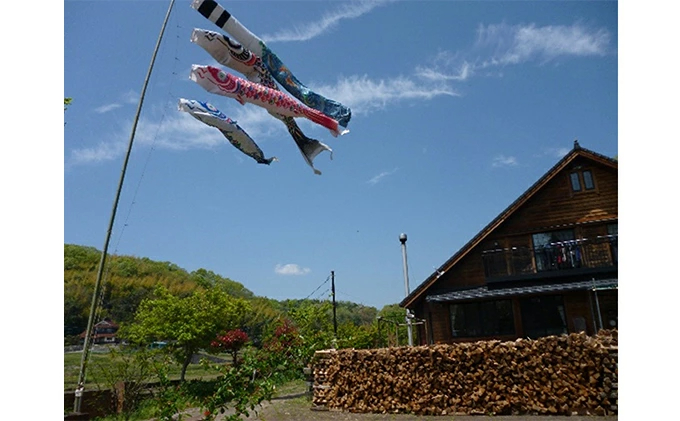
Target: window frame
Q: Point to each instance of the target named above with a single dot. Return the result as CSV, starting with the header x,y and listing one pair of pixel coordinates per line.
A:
x,y
479,322
592,180
577,181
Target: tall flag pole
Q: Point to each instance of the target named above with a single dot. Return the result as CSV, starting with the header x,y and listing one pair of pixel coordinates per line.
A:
x,y
97,286
402,240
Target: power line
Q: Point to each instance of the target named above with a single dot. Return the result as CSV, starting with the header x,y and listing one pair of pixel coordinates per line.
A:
x,y
317,288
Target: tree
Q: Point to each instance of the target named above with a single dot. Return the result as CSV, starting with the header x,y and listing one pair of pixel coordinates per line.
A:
x,y
231,342
188,324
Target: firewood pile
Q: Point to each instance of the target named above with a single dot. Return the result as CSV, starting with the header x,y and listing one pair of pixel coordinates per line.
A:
x,y
555,375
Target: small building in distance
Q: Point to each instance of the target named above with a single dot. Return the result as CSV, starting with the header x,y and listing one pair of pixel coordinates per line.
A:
x,y
105,332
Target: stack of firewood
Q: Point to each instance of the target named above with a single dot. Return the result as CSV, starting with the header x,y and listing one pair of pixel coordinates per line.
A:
x,y
321,363
552,375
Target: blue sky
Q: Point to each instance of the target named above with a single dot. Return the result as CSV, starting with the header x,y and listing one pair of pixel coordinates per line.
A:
x,y
458,107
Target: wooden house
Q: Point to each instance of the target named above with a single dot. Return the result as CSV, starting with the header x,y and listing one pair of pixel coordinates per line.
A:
x,y
548,264
105,332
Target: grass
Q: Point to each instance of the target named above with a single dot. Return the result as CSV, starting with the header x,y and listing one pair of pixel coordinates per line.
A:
x,y
100,361
293,387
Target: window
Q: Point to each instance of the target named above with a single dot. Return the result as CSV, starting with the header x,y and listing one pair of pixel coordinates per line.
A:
x,y
588,180
488,318
575,183
543,316
582,180
553,250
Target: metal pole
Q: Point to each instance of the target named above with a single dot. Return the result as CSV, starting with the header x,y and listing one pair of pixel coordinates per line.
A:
x,y
402,239
592,312
597,305
335,320
97,286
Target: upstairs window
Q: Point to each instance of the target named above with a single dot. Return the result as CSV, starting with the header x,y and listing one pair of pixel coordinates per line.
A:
x,y
588,180
575,182
581,180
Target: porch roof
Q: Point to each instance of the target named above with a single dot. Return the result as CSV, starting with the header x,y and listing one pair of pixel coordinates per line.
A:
x,y
484,292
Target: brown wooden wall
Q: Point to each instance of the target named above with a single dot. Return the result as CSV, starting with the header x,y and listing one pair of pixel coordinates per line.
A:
x,y
555,204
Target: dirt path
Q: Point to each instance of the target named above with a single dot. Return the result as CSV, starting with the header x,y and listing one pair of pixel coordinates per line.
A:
x,y
298,408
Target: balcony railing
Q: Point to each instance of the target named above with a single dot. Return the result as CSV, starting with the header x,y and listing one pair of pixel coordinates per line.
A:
x,y
572,255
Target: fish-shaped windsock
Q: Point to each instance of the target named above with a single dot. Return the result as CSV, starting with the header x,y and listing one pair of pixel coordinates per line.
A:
x,y
208,114
232,54
215,13
219,82
309,148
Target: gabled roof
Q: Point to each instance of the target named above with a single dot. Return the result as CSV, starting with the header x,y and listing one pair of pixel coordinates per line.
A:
x,y
576,152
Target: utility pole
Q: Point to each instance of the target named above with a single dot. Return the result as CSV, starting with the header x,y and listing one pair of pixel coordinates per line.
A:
x,y
402,240
97,287
335,320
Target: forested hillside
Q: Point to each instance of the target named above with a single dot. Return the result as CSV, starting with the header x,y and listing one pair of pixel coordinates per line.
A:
x,y
128,280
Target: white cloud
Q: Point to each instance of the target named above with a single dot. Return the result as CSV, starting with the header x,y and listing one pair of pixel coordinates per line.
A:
x,y
129,97
327,22
500,45
291,269
106,108
559,152
446,66
104,151
504,161
364,95
514,44
375,180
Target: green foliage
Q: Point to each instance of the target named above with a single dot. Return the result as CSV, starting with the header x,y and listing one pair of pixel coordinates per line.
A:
x,y
287,351
170,398
127,281
263,315
67,102
128,372
242,388
358,337
393,330
188,324
209,279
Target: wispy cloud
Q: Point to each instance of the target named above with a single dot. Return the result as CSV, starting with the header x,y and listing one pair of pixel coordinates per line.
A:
x,y
129,97
504,161
499,45
375,180
446,66
514,44
327,22
291,269
365,95
106,108
557,152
